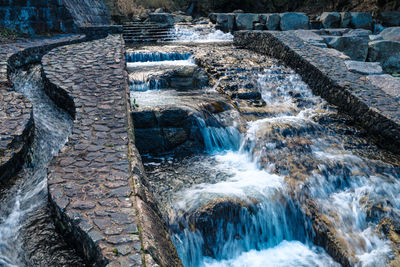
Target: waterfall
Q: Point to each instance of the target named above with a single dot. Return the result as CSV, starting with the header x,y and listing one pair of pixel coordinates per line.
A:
x,y
199,34
156,56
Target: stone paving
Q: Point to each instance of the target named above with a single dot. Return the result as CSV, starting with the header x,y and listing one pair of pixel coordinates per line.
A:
x,y
16,123
99,203
376,110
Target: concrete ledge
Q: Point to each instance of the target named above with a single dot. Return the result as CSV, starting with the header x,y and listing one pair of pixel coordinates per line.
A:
x,y
328,77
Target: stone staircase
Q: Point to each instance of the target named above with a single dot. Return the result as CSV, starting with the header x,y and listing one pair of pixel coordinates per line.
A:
x,y
137,32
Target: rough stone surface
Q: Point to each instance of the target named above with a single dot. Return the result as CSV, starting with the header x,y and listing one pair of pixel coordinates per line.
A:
x,y
388,83
361,20
390,18
311,37
345,19
16,122
330,19
294,21
373,108
391,34
358,33
364,67
92,181
271,21
225,22
387,53
246,21
355,47
162,18
53,15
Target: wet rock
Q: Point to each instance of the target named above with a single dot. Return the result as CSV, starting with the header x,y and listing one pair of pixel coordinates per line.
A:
x,y
364,67
387,53
330,19
391,34
361,20
390,18
271,21
294,21
246,21
162,18
354,47
244,93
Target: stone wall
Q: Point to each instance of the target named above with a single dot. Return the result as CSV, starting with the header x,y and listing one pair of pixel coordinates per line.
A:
x,y
328,77
43,16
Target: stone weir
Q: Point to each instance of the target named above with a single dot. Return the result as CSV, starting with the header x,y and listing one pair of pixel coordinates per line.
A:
x,y
376,110
96,184
16,121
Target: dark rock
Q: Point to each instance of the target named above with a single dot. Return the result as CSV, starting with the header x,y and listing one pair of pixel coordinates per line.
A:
x,y
162,18
271,21
354,47
294,21
387,53
330,19
361,20
390,18
246,21
345,19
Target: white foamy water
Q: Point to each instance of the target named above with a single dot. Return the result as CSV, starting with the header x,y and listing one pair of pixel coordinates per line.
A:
x,y
136,65
246,180
199,34
286,254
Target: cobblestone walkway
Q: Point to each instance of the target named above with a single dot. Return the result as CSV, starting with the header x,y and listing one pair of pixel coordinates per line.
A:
x,y
90,180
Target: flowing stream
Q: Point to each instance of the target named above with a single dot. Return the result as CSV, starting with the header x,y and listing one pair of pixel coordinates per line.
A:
x,y
27,233
298,148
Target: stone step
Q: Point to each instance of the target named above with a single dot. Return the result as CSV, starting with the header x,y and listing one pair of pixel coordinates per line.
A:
x,y
149,40
146,35
144,32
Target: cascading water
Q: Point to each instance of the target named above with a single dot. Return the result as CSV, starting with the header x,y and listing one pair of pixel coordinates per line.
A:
x,y
201,33
301,140
27,234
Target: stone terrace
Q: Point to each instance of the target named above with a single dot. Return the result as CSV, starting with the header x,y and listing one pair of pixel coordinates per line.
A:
x,y
90,183
16,123
328,76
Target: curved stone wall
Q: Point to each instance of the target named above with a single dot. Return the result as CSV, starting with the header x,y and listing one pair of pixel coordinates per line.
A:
x,y
16,122
97,186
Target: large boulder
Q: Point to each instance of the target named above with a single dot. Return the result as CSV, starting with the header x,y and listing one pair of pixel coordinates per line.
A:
x,y
246,21
345,19
354,47
390,18
363,67
391,34
294,21
271,21
225,22
387,53
330,19
162,18
361,20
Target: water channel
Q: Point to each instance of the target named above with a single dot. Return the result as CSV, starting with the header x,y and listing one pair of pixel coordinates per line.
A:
x,y
244,198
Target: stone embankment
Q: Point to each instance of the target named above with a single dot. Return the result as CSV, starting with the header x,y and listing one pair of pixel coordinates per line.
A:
x,y
295,21
16,120
97,183
375,109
